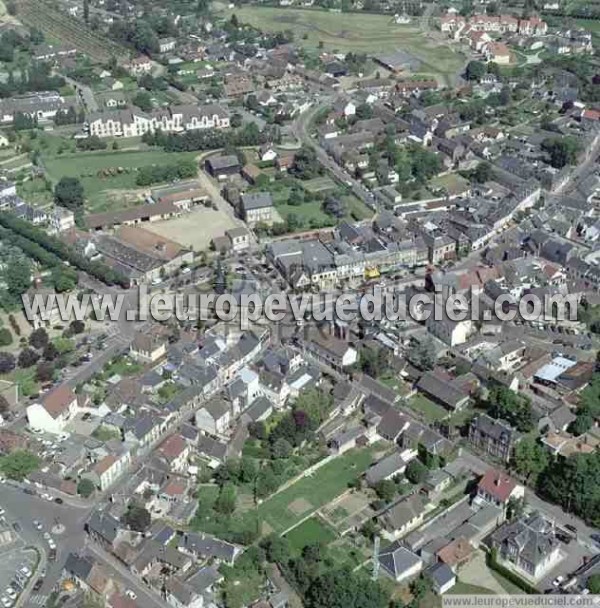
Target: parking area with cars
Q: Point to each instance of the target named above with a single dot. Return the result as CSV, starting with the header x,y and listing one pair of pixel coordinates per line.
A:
x,y
17,567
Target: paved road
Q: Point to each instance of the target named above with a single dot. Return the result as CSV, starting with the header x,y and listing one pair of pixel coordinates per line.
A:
x,y
85,94
300,129
24,508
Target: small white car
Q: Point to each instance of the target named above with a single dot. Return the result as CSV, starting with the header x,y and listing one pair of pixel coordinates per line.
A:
x,y
130,594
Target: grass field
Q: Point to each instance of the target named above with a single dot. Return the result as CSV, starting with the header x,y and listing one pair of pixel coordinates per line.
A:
x,y
288,507
430,410
309,532
104,193
362,33
319,184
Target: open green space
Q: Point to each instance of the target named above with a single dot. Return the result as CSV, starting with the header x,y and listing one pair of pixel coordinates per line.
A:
x,y
308,494
466,589
431,411
319,184
309,532
361,33
108,177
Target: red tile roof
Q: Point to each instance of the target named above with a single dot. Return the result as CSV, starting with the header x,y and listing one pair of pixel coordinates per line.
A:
x,y
497,484
172,447
58,401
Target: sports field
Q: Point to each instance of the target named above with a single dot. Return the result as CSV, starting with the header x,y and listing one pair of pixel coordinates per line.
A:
x,y
361,33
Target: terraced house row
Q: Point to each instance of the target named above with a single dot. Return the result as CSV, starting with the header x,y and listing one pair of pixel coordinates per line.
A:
x,y
176,119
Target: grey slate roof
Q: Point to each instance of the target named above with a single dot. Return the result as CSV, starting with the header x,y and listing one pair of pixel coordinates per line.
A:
x,y
396,559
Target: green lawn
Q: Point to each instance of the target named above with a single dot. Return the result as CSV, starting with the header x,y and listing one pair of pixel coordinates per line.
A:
x,y
361,33
452,183
108,177
306,212
35,191
465,589
430,410
319,184
286,508
309,532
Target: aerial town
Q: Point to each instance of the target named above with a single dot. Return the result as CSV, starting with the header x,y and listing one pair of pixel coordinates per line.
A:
x,y
294,148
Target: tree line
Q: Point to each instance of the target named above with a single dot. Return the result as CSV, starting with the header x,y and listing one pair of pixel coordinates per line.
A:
x,y
50,251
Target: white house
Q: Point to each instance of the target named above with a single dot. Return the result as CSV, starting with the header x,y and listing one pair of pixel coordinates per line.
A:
x,y
214,417
52,414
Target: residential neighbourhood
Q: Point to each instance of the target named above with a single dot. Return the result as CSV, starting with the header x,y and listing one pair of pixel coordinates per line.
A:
x,y
443,153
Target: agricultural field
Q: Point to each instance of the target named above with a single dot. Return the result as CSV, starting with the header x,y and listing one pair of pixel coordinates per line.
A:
x,y
67,30
360,33
109,178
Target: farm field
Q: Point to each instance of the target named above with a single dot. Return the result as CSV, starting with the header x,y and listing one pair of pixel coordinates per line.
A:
x,y
67,30
109,178
361,33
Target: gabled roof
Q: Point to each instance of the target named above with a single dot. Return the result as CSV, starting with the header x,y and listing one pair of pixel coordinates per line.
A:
x,y
497,484
57,401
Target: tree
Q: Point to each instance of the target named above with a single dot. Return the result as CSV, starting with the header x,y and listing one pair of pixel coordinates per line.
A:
x,y
423,354
257,430
277,549
137,518
38,338
374,361
248,470
44,371
77,327
19,464
27,358
530,458
225,503
482,173
561,150
475,70
306,165
17,276
573,483
344,589
266,483
5,337
515,508
282,448
385,489
85,487
50,352
69,193
364,111
64,279
7,362
416,471
593,584
143,100
510,406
